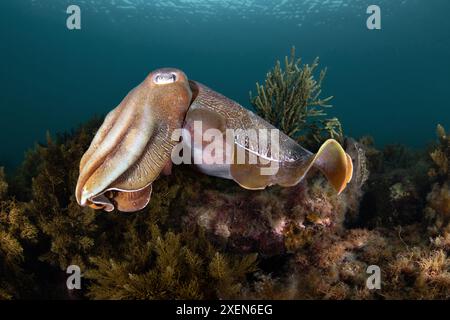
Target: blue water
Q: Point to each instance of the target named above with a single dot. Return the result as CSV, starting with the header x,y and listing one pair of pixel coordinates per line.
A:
x,y
391,83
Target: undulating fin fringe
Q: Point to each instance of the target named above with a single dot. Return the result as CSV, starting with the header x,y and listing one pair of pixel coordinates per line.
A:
x,y
331,160
335,164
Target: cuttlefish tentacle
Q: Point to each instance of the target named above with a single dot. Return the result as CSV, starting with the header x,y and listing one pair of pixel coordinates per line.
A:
x,y
291,160
134,144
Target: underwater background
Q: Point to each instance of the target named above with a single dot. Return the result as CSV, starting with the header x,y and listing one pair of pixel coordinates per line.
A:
x,y
391,83
202,237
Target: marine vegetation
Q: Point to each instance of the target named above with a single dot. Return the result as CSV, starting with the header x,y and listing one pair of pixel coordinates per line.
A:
x,y
441,156
16,233
141,256
202,237
290,99
168,266
437,208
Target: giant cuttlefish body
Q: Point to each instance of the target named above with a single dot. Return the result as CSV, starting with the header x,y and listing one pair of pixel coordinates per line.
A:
x,y
138,140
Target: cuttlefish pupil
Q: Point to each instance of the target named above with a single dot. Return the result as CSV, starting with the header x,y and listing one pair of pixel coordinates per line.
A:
x,y
164,78
134,145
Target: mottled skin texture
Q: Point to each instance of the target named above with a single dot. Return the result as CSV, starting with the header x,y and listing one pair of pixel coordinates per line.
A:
x,y
133,146
236,117
293,161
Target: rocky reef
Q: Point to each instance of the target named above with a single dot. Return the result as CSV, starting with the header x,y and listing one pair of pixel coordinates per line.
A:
x,y
206,238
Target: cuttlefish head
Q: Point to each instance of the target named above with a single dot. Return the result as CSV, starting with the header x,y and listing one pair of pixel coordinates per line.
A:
x,y
133,145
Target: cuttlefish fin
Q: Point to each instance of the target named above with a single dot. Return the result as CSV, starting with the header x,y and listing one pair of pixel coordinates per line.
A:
x,y
335,164
331,160
246,174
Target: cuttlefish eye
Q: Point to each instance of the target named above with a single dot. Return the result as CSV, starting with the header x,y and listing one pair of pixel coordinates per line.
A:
x,y
164,78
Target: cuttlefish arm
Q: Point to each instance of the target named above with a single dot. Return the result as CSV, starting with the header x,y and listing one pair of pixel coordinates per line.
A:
x,y
133,145
292,162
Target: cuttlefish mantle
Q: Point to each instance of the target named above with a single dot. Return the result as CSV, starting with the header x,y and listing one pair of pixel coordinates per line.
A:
x,y
135,144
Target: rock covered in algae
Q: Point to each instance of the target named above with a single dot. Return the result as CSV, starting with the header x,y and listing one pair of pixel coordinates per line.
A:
x,y
326,258
276,220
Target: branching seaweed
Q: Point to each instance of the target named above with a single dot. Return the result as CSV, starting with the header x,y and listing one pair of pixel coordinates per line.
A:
x,y
441,156
16,231
290,99
169,266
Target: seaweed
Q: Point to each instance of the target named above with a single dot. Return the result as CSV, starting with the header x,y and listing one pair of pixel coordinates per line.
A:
x,y
290,99
440,156
3,184
437,210
168,266
16,233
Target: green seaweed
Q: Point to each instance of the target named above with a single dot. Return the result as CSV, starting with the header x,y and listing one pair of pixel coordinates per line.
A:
x,y
168,266
441,156
290,99
16,233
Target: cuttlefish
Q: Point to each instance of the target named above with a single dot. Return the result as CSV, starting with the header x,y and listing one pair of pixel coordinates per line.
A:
x,y
138,141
